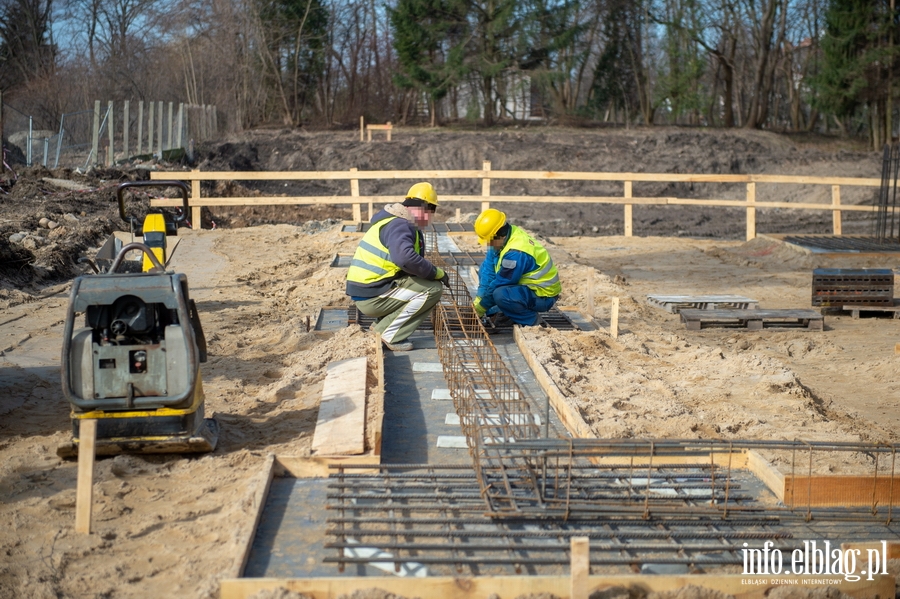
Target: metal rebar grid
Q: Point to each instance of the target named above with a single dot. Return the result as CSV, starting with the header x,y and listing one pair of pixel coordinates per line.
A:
x,y
521,474
434,515
887,225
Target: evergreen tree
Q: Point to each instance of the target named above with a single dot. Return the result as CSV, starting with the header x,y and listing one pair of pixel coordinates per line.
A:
x,y
858,61
429,38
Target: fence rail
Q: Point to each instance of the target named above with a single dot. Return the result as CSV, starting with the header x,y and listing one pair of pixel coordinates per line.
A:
x,y
627,199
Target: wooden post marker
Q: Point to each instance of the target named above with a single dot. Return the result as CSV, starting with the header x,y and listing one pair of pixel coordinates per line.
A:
x,y
614,319
362,128
751,211
836,213
485,185
354,192
580,567
84,494
629,230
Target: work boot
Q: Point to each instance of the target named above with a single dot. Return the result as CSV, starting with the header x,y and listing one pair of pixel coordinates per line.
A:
x,y
398,346
502,320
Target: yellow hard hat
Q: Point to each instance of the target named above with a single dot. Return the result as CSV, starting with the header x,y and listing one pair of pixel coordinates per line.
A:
x,y
423,191
487,224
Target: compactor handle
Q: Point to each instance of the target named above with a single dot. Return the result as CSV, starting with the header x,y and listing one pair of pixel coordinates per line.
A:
x,y
181,185
135,246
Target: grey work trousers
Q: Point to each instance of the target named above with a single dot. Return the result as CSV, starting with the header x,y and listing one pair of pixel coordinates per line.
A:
x,y
400,310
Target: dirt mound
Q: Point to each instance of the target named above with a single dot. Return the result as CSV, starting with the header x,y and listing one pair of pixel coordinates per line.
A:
x,y
658,150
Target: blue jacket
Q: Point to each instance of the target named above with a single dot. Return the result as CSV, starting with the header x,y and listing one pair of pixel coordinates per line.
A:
x,y
515,265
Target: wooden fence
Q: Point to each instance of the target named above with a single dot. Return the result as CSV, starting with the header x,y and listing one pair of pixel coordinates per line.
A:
x,y
185,122
627,199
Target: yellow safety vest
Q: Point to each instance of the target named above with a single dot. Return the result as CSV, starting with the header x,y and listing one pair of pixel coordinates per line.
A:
x,y
543,280
372,260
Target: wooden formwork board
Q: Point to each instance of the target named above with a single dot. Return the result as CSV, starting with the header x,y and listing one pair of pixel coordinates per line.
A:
x,y
482,587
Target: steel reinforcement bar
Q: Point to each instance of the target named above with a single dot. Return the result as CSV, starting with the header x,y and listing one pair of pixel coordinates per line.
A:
x,y
522,474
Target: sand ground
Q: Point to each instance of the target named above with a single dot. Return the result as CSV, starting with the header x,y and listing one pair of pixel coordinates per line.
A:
x,y
172,526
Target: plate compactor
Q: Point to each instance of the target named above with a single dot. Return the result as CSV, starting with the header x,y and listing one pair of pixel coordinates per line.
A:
x,y
135,364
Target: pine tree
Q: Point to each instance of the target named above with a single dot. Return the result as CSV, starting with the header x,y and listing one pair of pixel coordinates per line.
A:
x,y
429,38
857,60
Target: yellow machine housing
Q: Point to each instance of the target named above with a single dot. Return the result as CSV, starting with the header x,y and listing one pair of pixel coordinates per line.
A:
x,y
154,230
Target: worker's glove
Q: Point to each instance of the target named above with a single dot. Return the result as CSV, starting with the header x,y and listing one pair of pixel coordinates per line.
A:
x,y
479,309
442,276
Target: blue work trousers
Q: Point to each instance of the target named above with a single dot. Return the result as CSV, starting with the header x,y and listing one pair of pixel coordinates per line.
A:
x,y
521,304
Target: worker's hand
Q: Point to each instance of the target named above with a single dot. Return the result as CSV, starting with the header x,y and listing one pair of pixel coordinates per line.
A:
x,y
443,277
479,310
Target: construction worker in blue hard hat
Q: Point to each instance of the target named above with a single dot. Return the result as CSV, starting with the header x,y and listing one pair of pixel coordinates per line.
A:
x,y
389,277
517,279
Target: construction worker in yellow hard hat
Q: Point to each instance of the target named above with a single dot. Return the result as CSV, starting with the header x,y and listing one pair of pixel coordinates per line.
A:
x,y
517,279
389,277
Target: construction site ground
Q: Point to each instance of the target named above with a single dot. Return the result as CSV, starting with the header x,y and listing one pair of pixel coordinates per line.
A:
x,y
175,525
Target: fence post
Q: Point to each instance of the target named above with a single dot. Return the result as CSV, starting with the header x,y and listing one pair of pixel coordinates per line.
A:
x,y
126,129
179,126
95,135
150,118
836,213
628,209
196,211
110,128
362,127
140,127
485,185
751,211
354,191
159,129
169,138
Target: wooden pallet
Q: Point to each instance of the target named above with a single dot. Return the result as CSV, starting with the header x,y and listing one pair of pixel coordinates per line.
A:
x,y
855,310
677,303
753,320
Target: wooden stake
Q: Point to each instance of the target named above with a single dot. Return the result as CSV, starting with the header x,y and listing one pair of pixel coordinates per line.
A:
x,y
580,567
84,495
362,127
354,191
836,213
110,127
196,209
751,211
140,127
614,319
485,185
126,129
628,208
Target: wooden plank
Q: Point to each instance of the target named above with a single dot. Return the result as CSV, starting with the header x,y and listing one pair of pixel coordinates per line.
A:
x,y
568,414
84,494
479,587
580,568
341,424
258,503
320,467
767,473
841,490
376,402
554,175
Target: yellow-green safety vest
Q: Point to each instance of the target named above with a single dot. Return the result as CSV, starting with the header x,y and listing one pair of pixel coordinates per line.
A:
x,y
543,280
372,260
